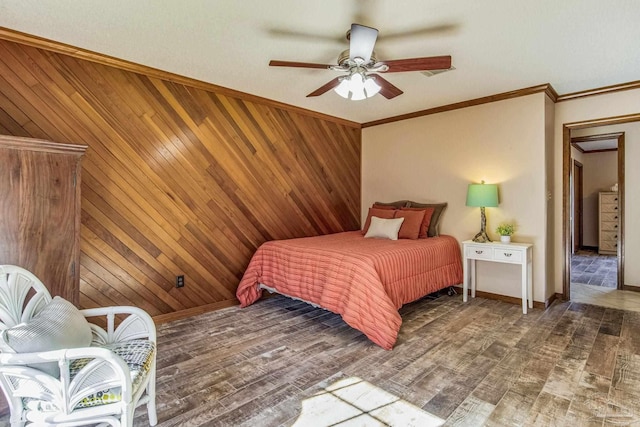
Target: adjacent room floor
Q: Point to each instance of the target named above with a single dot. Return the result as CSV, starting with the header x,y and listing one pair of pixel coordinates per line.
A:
x,y
594,281
590,268
285,363
605,297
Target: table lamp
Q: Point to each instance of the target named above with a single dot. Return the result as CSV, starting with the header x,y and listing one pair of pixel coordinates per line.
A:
x,y
482,195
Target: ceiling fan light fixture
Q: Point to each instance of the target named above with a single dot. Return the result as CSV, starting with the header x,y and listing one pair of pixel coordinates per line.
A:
x,y
357,86
358,95
343,88
370,86
356,82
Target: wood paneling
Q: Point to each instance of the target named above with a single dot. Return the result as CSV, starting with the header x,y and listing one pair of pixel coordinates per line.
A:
x,y
100,58
178,179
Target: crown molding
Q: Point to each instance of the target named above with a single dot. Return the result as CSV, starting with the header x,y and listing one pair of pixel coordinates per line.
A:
x,y
599,91
58,47
546,88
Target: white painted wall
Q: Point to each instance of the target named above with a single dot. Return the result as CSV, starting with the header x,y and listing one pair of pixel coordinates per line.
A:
x,y
591,108
434,158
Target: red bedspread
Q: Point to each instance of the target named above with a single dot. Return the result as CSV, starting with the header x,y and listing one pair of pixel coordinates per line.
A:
x,y
366,281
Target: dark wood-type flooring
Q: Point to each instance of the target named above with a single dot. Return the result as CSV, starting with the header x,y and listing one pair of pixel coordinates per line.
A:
x,y
479,363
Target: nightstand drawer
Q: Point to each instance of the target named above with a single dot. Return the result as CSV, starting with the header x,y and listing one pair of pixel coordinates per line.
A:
x,y
478,252
507,255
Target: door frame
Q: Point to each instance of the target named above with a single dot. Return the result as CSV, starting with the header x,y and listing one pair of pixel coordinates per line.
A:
x,y
577,205
566,194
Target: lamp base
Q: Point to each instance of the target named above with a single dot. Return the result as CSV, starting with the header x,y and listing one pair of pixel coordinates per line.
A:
x,y
481,237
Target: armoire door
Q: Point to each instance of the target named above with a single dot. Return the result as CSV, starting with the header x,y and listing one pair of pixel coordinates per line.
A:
x,y
40,211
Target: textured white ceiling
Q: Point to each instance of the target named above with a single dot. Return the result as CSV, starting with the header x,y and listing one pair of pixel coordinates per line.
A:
x,y
496,45
604,144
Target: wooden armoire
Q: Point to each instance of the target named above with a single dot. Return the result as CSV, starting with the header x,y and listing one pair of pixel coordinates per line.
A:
x,y
40,211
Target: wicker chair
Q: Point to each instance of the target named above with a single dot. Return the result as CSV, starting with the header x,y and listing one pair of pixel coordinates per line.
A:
x,y
99,383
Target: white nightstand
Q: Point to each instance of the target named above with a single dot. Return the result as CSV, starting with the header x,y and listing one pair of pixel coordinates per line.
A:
x,y
510,253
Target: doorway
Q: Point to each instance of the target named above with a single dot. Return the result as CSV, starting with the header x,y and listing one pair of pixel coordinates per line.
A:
x,y
568,206
578,205
594,173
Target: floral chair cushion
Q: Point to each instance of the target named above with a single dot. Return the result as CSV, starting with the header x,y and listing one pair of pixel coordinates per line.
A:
x,y
138,355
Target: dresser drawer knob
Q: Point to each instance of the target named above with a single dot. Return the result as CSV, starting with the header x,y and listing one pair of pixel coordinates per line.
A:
x,y
507,254
479,252
616,199
615,208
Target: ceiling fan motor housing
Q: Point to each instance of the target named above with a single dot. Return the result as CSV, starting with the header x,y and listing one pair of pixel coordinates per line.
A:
x,y
345,61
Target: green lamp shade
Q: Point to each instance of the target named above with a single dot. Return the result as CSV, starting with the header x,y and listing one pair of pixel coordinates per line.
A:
x,y
482,195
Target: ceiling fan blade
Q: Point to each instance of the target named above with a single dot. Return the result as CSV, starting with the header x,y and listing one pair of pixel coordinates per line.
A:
x,y
275,63
423,31
325,88
307,35
418,64
387,90
361,42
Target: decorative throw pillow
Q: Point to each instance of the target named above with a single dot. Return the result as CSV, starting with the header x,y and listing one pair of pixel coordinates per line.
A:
x,y
59,325
384,228
412,224
380,213
435,218
426,221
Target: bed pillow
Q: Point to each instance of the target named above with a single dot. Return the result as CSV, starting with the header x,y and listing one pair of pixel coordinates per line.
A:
x,y
426,220
412,224
59,325
396,205
384,228
387,207
380,213
435,218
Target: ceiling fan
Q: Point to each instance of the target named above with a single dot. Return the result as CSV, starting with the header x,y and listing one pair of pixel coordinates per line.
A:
x,y
362,66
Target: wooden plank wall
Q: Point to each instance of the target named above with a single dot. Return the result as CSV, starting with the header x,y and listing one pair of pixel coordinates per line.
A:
x,y
178,179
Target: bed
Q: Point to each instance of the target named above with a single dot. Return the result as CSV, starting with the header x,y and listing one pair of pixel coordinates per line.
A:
x,y
364,280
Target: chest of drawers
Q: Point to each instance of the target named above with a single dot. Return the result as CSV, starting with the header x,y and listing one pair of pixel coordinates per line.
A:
x,y
608,223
